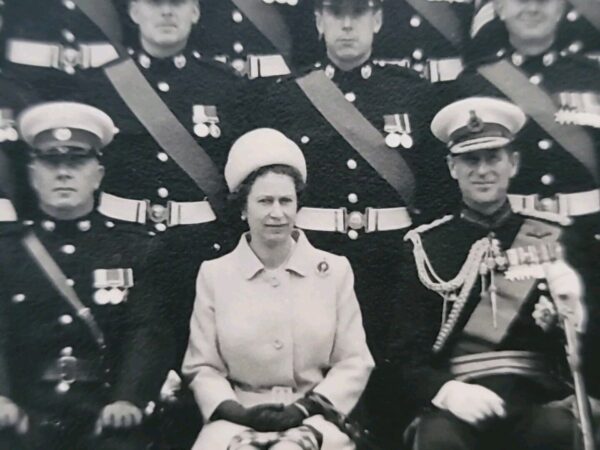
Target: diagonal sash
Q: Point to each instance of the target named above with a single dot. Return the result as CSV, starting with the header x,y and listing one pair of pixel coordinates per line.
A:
x,y
348,121
538,105
269,22
511,294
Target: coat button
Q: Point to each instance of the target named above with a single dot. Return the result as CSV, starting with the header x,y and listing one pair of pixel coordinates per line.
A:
x,y
352,164
237,16
535,79
70,282
353,198
18,298
162,156
415,21
160,227
163,86
66,351
350,96
68,35
547,179
238,47
542,286
277,344
544,144
417,54
48,225
305,139
162,192
65,319
353,234
69,4
68,249
84,225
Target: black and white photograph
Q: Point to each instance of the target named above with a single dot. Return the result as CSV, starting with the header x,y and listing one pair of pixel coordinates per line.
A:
x,y
299,224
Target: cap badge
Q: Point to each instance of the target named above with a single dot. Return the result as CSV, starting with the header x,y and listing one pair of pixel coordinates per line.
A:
x,y
62,134
205,119
475,124
398,129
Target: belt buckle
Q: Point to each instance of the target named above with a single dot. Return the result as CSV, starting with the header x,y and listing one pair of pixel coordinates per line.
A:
x,y
69,58
67,366
552,204
356,220
159,213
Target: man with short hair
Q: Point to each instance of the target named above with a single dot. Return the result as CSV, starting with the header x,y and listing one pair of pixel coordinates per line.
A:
x,y
477,345
83,347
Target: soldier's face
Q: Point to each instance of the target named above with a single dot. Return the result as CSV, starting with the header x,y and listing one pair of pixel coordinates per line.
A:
x,y
65,185
164,22
531,19
348,32
271,208
484,175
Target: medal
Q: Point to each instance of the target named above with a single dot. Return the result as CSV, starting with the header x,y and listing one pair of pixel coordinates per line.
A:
x,y
215,131
101,297
201,130
115,296
406,141
393,140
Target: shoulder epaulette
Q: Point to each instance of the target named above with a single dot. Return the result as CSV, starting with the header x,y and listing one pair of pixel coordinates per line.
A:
x,y
412,234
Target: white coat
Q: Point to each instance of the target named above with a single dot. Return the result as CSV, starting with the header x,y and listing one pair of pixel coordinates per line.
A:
x,y
258,338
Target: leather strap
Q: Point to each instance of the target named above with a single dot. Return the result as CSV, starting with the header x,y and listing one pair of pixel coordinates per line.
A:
x,y
106,17
269,22
538,105
55,275
358,132
441,16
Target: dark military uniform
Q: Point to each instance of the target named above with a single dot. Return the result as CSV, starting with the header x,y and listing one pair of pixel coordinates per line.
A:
x,y
52,45
140,172
341,179
229,35
420,371
54,368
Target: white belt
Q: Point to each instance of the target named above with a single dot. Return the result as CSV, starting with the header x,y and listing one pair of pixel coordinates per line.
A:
x,y
43,54
341,221
561,205
140,211
264,66
7,211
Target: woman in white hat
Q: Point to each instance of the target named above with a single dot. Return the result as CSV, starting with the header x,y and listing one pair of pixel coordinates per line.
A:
x,y
276,329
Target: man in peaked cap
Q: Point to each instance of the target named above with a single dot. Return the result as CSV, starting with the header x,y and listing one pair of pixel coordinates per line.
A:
x,y
82,348
483,378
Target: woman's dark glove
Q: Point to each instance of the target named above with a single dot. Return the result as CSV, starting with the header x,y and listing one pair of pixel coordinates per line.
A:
x,y
259,417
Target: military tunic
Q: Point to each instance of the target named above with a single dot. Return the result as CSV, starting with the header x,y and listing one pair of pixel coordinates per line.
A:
x,y
104,263
419,372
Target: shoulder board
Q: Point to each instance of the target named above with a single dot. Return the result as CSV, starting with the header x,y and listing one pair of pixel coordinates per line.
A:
x,y
543,216
412,234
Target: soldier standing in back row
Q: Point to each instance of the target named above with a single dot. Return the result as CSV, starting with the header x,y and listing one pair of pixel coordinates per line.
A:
x,y
83,347
348,208
144,184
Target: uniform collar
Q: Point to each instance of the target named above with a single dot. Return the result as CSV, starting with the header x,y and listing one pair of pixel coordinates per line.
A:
x,y
50,225
299,261
490,222
147,61
364,71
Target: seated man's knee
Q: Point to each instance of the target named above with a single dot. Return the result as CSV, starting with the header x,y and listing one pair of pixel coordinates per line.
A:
x,y
440,430
548,428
